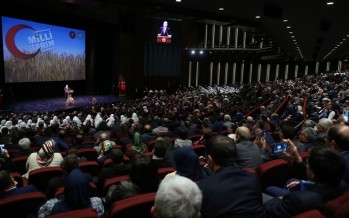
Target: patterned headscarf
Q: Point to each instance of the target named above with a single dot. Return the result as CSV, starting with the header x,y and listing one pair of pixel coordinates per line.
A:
x,y
46,153
107,146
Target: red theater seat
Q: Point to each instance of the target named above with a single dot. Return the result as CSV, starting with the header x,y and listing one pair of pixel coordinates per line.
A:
x,y
273,173
40,177
135,206
82,213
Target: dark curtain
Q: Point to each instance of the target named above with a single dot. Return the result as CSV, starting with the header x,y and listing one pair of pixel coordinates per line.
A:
x,y
162,60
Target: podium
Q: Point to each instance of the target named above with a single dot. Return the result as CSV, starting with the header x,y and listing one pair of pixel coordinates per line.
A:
x,y
163,39
69,93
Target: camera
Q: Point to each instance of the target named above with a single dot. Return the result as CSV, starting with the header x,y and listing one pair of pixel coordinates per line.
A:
x,y
279,147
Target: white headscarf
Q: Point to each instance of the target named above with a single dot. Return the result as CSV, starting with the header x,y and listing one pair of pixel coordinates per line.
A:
x,y
135,118
77,121
111,120
88,118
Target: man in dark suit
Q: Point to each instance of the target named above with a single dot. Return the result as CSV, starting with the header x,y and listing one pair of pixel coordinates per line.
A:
x,y
232,191
165,30
325,169
8,186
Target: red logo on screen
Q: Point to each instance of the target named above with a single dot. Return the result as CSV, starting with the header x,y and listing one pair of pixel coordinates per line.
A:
x,y
11,45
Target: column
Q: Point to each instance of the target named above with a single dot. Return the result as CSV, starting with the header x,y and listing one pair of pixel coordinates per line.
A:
x,y
218,73
211,73
286,71
277,71
197,74
306,70
328,64
228,36
213,35
268,73
259,70
236,37
339,67
206,32
226,73
189,79
244,40
242,73
317,67
220,35
250,73
234,73
296,71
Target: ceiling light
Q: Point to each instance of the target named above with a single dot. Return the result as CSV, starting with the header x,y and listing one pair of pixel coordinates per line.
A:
x,y
288,27
193,51
292,36
291,32
257,17
330,3
221,9
285,21
178,0
201,52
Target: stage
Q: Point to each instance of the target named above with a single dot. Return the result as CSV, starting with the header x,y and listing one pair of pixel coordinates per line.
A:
x,y
57,104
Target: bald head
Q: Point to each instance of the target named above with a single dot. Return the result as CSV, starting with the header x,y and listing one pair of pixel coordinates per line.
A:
x,y
243,132
339,133
249,119
104,136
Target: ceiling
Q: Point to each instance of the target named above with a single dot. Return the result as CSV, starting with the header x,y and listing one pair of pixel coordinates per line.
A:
x,y
316,27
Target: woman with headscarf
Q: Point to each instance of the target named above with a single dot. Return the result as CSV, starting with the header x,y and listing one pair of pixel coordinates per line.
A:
x,y
138,147
186,163
77,195
45,157
88,118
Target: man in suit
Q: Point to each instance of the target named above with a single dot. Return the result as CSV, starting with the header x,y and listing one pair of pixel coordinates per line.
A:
x,y
248,154
8,186
232,191
165,30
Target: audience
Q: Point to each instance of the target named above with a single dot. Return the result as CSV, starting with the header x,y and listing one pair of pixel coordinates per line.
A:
x,y
138,147
247,152
77,195
324,168
24,146
143,179
232,191
45,157
8,186
177,196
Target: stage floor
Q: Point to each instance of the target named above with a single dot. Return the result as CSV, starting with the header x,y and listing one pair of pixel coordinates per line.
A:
x,y
57,104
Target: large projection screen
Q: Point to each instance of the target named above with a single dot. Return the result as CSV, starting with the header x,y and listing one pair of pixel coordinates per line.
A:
x,y
37,52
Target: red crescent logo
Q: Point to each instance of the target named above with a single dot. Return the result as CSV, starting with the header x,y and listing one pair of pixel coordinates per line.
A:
x,y
11,45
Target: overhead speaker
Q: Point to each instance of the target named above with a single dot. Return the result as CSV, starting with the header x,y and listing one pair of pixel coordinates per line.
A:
x,y
272,10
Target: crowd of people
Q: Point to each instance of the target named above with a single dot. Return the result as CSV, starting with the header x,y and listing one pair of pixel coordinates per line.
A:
x,y
306,114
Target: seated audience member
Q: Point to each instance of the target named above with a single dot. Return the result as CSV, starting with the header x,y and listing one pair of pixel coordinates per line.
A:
x,y
8,186
143,179
6,161
117,168
177,196
325,170
247,152
104,153
77,195
24,146
338,138
232,191
60,145
148,135
138,147
308,137
78,142
322,126
186,163
45,157
99,142
286,131
183,140
159,151
70,162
